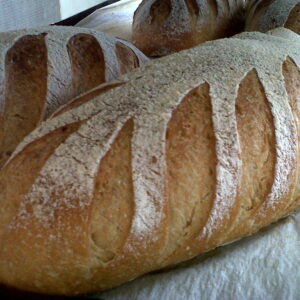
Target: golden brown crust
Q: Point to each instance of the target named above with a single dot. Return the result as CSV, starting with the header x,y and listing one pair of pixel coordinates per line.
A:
x,y
42,69
264,15
25,91
292,75
254,118
293,21
186,155
258,156
38,153
87,62
112,201
128,61
191,163
163,27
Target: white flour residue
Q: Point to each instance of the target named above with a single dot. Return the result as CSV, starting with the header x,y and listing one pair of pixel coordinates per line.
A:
x,y
228,155
59,79
149,97
285,133
67,179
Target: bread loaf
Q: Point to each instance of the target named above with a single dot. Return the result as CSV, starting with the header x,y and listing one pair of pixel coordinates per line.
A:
x,y
161,27
264,15
187,153
41,69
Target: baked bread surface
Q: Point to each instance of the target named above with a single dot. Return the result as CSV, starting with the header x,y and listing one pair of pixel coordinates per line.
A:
x,y
185,154
264,15
44,68
161,27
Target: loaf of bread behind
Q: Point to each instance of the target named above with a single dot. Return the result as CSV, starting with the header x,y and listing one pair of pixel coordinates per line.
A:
x,y
187,153
42,69
161,27
264,15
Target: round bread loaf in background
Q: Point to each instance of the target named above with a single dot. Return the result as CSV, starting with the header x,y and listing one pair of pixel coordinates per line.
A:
x,y
161,27
264,15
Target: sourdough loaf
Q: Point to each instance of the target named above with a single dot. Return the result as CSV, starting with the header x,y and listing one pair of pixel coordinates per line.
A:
x,y
264,15
187,153
161,27
41,69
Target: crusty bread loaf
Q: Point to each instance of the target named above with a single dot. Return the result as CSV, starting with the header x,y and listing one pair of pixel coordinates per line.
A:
x,y
264,15
161,27
41,69
187,153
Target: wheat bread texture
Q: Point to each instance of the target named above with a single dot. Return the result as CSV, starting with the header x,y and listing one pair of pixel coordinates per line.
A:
x,y
163,27
42,69
187,153
264,15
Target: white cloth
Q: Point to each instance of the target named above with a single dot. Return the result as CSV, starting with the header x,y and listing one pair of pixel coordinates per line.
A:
x,y
265,266
115,19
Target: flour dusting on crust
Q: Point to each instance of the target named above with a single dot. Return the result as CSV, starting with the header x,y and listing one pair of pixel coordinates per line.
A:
x,y
149,97
59,80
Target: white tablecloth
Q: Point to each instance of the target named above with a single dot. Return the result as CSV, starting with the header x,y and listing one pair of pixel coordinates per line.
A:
x,y
265,266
